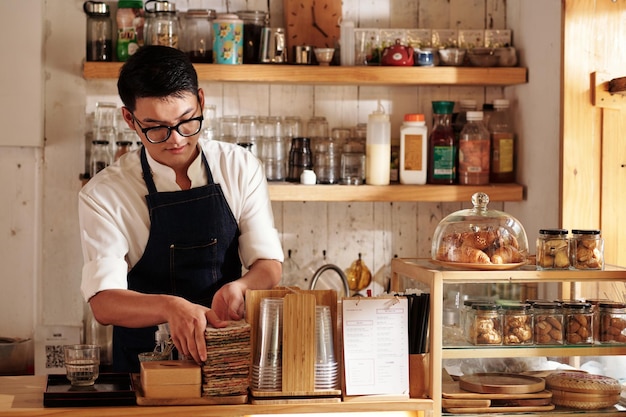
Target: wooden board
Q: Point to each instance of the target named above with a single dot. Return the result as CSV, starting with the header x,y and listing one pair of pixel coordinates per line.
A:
x,y
453,390
500,383
529,409
465,403
299,342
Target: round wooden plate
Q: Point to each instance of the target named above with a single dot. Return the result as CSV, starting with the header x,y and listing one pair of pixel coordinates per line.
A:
x,y
480,267
501,383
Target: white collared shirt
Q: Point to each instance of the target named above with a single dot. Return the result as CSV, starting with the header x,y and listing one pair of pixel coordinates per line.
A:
x,y
115,225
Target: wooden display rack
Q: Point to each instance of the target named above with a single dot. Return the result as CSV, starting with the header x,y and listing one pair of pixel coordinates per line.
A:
x,y
299,347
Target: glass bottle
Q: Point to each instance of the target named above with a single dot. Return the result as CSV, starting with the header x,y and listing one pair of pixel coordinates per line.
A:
x,y
442,148
459,119
502,143
474,151
99,31
100,156
197,39
130,25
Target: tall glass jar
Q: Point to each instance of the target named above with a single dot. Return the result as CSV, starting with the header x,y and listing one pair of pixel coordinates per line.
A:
x,y
442,148
197,39
99,31
474,145
164,26
100,157
253,22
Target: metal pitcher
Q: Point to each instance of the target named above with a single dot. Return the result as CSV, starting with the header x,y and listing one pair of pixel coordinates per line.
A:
x,y
272,48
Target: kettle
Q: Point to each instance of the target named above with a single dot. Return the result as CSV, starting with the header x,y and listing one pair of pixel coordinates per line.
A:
x,y
397,54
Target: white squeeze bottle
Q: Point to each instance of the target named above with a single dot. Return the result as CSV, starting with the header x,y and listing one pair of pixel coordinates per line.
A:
x,y
413,149
378,148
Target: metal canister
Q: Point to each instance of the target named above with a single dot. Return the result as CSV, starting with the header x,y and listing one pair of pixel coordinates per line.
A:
x,y
228,39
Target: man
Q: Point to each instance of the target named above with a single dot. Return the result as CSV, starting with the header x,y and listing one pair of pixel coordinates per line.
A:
x,y
166,228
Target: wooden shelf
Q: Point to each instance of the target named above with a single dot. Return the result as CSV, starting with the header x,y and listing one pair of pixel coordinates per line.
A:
x,y
358,75
377,193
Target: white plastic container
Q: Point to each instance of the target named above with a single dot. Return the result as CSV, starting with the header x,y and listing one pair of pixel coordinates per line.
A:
x,y
378,148
413,149
346,40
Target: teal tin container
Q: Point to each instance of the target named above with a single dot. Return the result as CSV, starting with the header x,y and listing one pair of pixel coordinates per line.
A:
x,y
228,40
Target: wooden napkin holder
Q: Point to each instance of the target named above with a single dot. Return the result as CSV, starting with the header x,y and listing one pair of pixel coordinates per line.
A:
x,y
299,347
171,379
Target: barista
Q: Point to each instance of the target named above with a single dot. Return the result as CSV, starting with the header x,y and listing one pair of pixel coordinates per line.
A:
x,y
166,228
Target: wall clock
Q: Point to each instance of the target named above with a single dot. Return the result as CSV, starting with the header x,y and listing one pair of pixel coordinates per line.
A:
x,y
312,22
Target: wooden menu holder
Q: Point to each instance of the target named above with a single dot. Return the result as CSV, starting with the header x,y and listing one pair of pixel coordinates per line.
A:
x,y
299,346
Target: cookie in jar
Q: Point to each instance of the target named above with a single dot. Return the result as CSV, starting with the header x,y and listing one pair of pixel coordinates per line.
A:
x,y
578,323
548,323
517,324
553,249
612,317
587,249
484,325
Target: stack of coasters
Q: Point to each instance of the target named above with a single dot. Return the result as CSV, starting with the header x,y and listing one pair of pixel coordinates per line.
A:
x,y
583,391
170,379
226,371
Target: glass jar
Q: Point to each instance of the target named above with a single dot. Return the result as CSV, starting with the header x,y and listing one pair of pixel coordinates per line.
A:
x,y
552,249
300,158
164,27
99,31
100,157
517,324
253,23
578,323
480,236
197,39
612,318
123,146
474,151
548,323
587,249
484,325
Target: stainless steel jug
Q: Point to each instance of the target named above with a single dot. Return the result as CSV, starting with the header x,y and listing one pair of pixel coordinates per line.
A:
x,y
272,48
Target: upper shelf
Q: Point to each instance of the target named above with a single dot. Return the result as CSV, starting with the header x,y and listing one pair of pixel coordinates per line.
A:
x,y
396,192
358,75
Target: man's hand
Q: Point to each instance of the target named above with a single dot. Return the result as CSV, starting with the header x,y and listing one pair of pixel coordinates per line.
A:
x,y
228,302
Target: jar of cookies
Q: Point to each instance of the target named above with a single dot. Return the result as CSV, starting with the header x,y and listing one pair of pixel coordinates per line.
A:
x,y
553,249
480,238
484,323
548,323
587,249
517,324
578,323
612,317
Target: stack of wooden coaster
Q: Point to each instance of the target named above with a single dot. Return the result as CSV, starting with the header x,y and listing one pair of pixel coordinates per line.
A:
x,y
583,391
226,372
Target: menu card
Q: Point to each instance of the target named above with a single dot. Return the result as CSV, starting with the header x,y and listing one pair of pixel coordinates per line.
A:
x,y
376,347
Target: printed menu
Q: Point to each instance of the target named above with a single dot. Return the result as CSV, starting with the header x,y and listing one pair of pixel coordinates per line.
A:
x,y
376,347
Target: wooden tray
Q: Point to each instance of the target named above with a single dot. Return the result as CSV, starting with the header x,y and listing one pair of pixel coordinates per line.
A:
x,y
501,383
529,409
110,389
453,390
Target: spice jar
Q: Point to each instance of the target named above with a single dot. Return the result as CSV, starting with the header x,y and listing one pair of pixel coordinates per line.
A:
x,y
548,323
578,323
587,249
484,325
517,328
552,249
612,317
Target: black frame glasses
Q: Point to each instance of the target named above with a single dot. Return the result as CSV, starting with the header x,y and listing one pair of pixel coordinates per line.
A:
x,y
146,130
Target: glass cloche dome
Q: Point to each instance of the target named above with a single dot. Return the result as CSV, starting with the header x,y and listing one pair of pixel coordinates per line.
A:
x,y
480,238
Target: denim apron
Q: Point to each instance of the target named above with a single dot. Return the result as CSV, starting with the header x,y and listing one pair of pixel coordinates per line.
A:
x,y
192,251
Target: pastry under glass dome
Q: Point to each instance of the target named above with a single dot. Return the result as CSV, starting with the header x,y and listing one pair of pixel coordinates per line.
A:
x,y
480,238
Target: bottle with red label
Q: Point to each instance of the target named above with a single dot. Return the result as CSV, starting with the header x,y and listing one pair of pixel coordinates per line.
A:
x,y
474,145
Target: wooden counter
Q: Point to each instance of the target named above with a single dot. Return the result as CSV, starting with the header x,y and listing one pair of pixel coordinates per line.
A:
x,y
23,396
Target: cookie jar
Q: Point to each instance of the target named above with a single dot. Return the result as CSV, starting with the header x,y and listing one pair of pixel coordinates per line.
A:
x,y
480,238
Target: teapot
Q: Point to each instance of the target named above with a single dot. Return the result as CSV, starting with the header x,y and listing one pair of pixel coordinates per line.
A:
x,y
397,54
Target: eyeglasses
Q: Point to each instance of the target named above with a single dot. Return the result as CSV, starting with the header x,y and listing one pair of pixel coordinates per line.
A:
x,y
158,134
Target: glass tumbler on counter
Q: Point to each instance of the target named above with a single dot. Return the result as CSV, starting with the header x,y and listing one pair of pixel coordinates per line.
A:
x,y
82,364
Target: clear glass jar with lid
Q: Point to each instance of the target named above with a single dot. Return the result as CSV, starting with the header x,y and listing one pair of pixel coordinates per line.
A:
x,y
164,26
480,238
587,249
548,323
197,39
253,23
517,324
484,324
578,323
552,249
612,317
